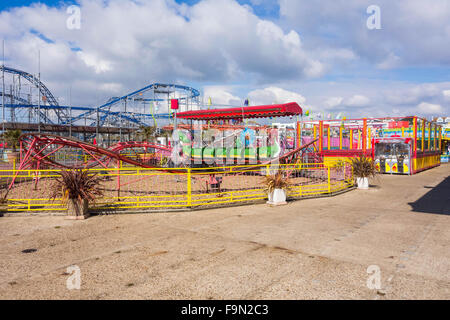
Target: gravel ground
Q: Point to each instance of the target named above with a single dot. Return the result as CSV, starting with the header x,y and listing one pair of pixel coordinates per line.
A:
x,y
309,249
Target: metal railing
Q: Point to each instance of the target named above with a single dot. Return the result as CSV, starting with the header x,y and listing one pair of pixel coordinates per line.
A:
x,y
148,189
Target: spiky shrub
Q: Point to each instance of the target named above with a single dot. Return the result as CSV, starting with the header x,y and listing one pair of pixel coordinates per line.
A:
x,y
77,186
276,181
163,161
363,167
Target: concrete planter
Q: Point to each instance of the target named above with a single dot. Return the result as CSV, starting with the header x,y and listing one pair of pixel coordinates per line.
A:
x,y
363,183
277,197
77,210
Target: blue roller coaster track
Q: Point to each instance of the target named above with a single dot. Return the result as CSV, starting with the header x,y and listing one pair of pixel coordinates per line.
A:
x,y
112,113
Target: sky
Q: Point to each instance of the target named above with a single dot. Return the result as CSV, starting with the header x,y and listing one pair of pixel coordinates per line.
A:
x,y
330,56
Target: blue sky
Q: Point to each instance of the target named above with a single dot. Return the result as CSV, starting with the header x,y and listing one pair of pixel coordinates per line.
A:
x,y
19,3
321,53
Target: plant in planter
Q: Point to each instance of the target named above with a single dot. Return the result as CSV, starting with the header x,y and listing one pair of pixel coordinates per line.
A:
x,y
363,168
12,139
78,189
276,186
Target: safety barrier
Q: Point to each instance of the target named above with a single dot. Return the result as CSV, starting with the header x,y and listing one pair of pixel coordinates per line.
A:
x,y
149,189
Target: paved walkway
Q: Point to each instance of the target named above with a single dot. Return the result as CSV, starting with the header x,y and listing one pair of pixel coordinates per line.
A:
x,y
310,249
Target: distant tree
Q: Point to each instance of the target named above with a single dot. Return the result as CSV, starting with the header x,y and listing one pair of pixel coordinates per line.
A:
x,y
148,133
11,137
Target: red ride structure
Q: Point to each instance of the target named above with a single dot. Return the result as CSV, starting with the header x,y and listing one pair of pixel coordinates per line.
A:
x,y
39,149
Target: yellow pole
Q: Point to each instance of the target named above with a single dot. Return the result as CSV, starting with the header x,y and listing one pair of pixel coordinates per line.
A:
x,y
340,138
329,138
369,135
359,139
429,136
329,180
189,190
320,135
315,131
434,136
351,139
415,136
403,132
423,135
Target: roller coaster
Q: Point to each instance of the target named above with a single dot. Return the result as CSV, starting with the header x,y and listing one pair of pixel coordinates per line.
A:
x,y
138,108
38,150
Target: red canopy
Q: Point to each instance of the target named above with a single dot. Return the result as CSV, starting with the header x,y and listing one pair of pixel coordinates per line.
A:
x,y
275,110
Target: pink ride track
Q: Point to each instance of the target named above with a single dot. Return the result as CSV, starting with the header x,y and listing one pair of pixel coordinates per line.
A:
x,y
38,149
43,151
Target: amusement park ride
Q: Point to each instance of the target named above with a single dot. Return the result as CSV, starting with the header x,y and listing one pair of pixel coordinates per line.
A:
x,y
30,106
218,137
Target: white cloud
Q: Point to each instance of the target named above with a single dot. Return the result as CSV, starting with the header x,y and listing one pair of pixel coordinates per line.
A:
x,y
274,95
413,32
138,42
446,94
414,94
111,87
391,61
357,101
333,102
429,108
94,62
221,95
382,98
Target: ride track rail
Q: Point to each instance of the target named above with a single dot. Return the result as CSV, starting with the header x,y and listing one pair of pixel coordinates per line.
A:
x,y
36,149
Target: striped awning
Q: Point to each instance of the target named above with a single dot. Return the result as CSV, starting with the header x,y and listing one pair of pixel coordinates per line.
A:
x,y
275,110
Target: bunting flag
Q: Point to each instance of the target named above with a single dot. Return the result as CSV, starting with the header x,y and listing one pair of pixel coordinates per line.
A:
x,y
307,113
246,102
209,102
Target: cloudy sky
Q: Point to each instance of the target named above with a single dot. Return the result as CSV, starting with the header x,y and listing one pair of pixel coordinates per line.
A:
x,y
321,54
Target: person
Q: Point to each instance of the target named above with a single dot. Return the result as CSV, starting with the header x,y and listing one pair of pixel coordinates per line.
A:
x,y
214,183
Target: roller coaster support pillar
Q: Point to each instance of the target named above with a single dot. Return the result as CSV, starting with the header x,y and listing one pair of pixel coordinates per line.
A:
x,y
118,180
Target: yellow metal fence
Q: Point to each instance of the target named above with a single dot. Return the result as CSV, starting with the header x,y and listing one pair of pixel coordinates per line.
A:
x,y
143,189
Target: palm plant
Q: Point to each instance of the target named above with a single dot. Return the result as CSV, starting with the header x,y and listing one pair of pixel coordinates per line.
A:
x,y
12,138
148,133
78,189
276,181
363,167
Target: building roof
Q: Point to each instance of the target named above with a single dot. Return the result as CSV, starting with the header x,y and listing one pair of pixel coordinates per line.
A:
x,y
275,110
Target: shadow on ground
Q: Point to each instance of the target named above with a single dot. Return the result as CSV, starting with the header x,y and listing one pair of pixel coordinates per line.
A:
x,y
437,200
